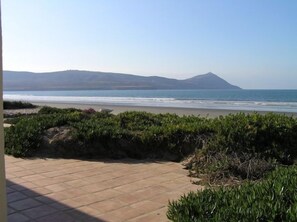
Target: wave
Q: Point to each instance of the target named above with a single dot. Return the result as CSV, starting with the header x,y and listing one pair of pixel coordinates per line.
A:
x,y
162,102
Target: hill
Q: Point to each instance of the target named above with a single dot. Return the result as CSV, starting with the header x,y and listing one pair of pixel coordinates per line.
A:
x,y
76,80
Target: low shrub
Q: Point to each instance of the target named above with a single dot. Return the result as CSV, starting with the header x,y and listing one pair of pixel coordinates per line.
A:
x,y
139,135
89,111
143,135
274,199
270,135
221,168
24,138
54,110
17,105
245,146
130,134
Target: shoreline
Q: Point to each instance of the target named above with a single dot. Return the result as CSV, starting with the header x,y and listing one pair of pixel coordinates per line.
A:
x,y
116,109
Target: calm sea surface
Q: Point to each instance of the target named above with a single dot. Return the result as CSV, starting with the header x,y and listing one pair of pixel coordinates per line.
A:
x,y
258,100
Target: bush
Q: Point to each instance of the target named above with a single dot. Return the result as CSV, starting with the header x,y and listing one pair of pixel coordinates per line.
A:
x,y
138,135
221,168
54,110
143,135
271,135
89,111
24,138
274,199
245,147
17,105
130,134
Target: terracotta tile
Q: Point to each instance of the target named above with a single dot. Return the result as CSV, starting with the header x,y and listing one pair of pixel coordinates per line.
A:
x,y
75,192
15,196
150,218
33,177
36,192
79,215
77,183
89,211
81,201
45,199
107,205
9,190
24,204
131,187
162,198
58,196
109,217
60,206
18,187
152,191
84,174
10,210
98,178
17,180
64,178
29,185
10,175
13,169
159,214
57,217
124,213
23,173
129,198
109,190
93,187
75,204
53,174
147,206
39,211
45,182
17,217
107,194
58,187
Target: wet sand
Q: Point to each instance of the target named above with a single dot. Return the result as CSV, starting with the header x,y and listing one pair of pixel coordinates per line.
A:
x,y
179,111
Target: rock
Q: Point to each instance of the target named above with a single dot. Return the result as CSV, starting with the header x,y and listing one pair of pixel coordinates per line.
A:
x,y
58,141
6,125
103,110
57,135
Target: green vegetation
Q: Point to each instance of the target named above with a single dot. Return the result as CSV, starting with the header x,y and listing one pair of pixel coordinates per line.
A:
x,y
53,110
25,137
226,150
246,147
273,199
255,138
130,134
17,105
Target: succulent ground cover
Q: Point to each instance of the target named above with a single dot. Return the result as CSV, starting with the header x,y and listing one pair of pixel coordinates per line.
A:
x,y
238,150
272,199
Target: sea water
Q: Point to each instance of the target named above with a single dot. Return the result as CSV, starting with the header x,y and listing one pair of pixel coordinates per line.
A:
x,y
257,100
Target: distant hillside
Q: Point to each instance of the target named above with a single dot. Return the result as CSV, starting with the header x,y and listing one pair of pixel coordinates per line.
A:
x,y
74,79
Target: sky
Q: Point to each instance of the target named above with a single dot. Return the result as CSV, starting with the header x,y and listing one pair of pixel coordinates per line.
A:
x,y
249,43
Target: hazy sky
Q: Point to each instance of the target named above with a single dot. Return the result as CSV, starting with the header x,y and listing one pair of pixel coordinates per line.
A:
x,y
250,43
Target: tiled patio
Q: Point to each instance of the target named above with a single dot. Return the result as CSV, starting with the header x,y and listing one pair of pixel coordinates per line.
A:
x,y
82,190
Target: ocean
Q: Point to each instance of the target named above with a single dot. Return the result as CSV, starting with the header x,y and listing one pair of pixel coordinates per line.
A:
x,y
250,100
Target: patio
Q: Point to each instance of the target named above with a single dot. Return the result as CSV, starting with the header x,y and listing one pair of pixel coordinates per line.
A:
x,y
88,190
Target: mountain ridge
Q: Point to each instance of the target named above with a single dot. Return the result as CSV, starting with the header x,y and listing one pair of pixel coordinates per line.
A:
x,y
82,79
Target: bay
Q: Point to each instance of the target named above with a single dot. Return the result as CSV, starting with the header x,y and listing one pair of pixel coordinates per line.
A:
x,y
257,100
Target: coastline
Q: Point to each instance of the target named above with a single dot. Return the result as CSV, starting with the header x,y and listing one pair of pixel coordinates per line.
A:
x,y
157,110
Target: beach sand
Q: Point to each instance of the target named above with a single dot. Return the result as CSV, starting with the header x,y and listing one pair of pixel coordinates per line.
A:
x,y
179,111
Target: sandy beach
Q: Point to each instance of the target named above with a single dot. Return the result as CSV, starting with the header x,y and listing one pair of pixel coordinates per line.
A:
x,y
179,111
